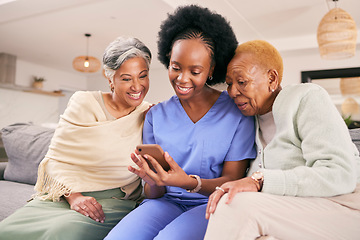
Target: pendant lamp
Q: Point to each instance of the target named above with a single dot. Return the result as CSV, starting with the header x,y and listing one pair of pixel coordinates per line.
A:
x,y
336,34
349,107
350,88
86,63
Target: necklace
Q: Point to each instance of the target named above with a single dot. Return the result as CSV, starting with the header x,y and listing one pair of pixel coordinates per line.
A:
x,y
118,110
120,113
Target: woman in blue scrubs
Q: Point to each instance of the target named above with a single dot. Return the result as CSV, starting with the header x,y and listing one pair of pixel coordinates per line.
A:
x,y
206,139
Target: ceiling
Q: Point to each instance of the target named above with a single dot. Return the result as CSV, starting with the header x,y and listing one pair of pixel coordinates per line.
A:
x,y
51,32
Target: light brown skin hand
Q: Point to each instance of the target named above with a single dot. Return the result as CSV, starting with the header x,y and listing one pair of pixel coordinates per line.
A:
x,y
232,188
87,206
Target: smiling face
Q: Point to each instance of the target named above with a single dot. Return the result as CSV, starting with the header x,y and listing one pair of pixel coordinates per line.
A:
x,y
131,83
250,85
189,68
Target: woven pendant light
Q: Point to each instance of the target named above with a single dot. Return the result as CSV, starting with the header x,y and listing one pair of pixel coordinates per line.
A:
x,y
336,35
86,63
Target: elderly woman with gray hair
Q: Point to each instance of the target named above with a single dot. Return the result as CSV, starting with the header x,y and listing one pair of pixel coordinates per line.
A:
x,y
84,187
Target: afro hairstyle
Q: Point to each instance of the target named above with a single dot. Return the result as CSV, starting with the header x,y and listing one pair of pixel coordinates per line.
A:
x,y
213,25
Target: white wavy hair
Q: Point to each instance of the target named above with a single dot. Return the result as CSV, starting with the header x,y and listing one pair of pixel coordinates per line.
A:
x,y
122,49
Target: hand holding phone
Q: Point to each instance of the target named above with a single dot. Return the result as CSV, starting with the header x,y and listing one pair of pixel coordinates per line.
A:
x,y
156,152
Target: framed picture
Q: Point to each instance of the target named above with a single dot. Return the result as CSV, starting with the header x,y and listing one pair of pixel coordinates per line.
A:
x,y
343,86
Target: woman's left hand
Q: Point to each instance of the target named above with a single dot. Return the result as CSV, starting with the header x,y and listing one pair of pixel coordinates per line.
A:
x,y
232,188
86,205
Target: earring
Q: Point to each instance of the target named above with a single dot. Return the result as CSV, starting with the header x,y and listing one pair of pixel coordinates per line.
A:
x,y
272,90
210,78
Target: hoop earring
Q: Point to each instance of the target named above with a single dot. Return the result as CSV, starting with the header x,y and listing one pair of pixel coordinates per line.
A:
x,y
210,78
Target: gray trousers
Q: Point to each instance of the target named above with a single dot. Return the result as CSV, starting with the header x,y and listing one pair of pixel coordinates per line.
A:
x,y
253,215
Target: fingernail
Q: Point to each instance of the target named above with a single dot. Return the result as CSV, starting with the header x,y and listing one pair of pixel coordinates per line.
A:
x,y
97,220
167,154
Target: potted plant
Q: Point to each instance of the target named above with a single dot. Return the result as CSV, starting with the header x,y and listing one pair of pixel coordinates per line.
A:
x,y
38,82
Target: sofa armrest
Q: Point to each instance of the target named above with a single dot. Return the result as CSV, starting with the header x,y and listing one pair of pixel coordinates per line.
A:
x,y
2,169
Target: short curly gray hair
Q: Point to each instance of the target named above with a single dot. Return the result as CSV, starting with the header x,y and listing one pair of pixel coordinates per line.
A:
x,y
122,49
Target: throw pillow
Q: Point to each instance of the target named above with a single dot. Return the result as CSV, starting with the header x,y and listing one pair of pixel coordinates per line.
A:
x,y
25,145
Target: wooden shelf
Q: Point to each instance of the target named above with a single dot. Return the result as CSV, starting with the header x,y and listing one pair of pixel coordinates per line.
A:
x,y
31,90
58,94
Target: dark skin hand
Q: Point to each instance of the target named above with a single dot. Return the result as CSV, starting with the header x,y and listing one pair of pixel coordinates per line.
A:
x,y
87,206
176,176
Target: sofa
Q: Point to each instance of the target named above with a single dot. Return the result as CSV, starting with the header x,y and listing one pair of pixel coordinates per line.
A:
x,y
25,145
22,147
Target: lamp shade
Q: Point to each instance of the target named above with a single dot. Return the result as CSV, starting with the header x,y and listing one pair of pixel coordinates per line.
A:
x,y
86,64
349,106
336,35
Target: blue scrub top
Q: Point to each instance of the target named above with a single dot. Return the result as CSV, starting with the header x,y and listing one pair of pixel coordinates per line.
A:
x,y
222,134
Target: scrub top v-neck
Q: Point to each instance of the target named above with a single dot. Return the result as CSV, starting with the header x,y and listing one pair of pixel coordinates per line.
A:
x,y
222,134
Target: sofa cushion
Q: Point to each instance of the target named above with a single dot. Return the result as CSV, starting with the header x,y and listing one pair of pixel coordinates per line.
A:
x,y
355,137
13,196
2,170
25,145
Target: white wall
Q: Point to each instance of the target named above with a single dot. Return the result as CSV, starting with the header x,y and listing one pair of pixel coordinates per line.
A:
x,y
19,106
160,88
294,63
55,79
309,60
98,83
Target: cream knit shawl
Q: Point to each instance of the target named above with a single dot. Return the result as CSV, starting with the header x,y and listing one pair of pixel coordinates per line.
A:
x,y
89,153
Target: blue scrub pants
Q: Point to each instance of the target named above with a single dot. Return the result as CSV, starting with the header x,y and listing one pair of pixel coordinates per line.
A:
x,y
162,219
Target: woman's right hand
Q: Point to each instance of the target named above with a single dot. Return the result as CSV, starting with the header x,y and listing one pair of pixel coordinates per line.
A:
x,y
157,176
87,206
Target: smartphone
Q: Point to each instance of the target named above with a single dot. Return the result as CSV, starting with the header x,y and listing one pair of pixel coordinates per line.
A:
x,y
156,152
